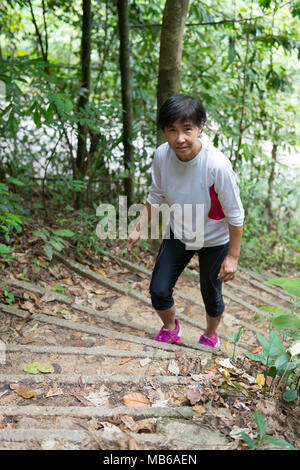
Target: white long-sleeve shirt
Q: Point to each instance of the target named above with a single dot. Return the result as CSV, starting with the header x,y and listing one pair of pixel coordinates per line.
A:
x,y
207,182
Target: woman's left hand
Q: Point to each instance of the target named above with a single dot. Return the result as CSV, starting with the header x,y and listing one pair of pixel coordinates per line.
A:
x,y
228,268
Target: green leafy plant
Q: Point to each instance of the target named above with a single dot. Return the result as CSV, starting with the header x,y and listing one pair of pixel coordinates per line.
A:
x,y
38,264
9,297
262,437
279,363
282,362
4,250
236,336
65,313
266,240
63,189
86,237
11,213
23,276
283,319
36,367
53,241
59,289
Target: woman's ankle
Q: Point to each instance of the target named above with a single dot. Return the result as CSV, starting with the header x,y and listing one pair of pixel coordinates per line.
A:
x,y
170,326
209,334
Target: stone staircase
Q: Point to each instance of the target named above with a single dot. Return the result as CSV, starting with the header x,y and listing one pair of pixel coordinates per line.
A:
x,y
111,386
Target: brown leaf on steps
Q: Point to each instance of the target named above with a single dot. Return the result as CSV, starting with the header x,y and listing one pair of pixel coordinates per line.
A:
x,y
136,399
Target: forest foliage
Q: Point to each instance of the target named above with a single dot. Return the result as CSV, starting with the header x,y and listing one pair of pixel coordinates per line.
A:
x,y
61,111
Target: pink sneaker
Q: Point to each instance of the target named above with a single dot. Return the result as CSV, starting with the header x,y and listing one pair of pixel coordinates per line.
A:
x,y
170,336
212,342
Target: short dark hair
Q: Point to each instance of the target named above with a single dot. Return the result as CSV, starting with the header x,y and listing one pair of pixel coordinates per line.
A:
x,y
183,108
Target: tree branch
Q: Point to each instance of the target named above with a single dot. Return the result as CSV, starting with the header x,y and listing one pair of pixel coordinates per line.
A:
x,y
158,25
38,32
45,26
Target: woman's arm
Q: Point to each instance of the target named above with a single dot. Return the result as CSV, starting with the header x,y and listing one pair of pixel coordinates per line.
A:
x,y
144,220
229,265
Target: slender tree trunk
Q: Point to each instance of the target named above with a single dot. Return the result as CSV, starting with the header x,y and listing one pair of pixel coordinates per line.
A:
x,y
123,13
44,51
2,172
271,182
81,160
243,100
169,75
44,47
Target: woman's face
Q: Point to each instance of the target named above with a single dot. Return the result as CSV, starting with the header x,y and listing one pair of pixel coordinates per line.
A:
x,y
183,138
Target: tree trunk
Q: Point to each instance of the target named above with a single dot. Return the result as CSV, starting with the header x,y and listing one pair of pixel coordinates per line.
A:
x,y
169,75
242,127
271,182
123,13
81,160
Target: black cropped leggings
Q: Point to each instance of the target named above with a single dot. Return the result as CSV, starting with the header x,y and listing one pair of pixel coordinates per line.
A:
x,y
171,261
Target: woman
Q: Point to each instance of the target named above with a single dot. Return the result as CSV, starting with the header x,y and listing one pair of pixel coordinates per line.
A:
x,y
188,171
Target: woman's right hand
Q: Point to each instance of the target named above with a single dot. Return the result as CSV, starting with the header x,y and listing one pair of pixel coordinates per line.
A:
x,y
132,239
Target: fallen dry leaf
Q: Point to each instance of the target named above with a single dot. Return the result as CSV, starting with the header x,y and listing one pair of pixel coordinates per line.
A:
x,y
248,377
221,362
30,295
27,306
47,298
221,400
199,409
55,271
226,364
124,347
99,271
146,425
188,309
179,354
225,374
254,388
241,406
67,281
173,368
75,290
81,382
48,311
23,391
98,291
194,395
260,380
129,422
28,339
125,360
269,381
236,432
99,397
136,399
145,362
53,392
